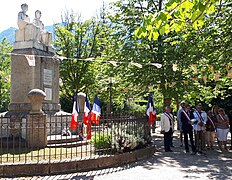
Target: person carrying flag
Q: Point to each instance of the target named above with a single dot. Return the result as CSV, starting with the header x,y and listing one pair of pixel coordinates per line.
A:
x,y
151,112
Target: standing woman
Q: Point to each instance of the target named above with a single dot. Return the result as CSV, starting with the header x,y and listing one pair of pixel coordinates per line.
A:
x,y
222,128
215,109
210,129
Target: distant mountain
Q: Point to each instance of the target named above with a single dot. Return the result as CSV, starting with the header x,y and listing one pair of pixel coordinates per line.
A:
x,y
10,33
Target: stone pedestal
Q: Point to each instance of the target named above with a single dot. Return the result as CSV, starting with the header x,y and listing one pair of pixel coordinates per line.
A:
x,y
29,33
36,129
82,127
38,71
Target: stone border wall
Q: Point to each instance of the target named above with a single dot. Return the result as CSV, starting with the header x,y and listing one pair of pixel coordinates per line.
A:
x,y
39,169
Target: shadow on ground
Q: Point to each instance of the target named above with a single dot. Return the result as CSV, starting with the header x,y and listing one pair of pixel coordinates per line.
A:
x,y
214,163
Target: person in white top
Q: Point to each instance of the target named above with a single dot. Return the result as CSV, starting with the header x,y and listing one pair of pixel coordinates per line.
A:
x,y
167,127
182,104
199,128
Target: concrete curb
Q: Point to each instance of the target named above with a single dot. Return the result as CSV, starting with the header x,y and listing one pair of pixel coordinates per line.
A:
x,y
72,166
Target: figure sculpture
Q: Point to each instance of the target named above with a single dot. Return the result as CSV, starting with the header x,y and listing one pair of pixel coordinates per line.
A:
x,y
23,18
32,31
44,36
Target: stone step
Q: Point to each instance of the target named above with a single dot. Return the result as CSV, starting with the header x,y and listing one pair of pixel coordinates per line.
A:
x,y
59,139
69,145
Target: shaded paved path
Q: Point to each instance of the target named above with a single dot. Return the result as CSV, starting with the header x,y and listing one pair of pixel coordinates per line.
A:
x,y
163,165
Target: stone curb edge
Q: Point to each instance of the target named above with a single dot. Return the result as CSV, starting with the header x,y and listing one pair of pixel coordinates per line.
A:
x,y
39,169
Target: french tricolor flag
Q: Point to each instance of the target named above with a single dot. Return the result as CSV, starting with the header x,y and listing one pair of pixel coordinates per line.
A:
x,y
74,122
150,111
87,110
96,111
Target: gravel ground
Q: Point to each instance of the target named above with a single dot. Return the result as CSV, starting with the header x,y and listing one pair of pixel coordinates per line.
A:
x,y
162,165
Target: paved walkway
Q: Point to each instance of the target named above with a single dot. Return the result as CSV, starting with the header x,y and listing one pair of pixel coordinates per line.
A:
x,y
163,165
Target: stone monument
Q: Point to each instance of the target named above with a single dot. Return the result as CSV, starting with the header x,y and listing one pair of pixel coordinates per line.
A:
x,y
33,66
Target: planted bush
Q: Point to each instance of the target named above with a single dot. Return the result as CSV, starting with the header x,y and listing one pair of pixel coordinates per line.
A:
x,y
102,141
130,136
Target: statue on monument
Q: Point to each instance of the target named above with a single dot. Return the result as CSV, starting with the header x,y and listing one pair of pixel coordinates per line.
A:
x,y
44,36
23,18
32,31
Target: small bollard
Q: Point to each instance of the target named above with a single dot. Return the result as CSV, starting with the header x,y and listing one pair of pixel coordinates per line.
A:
x,y
36,97
36,135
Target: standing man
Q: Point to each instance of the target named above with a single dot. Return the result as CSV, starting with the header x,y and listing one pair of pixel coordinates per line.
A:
x,y
186,116
167,127
182,104
199,128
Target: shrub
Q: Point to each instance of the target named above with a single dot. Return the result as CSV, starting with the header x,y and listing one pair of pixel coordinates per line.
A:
x,y
101,141
127,137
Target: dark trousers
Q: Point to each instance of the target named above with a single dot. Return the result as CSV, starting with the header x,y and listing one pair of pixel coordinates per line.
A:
x,y
167,140
181,137
171,142
231,136
186,145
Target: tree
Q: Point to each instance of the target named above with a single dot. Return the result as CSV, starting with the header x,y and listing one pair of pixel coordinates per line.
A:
x,y
147,52
5,50
184,55
81,44
213,55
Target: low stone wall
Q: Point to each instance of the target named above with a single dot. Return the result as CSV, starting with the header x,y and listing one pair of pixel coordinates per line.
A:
x,y
72,166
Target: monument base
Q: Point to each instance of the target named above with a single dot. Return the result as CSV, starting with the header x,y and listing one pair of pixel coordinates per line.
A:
x,y
23,109
33,44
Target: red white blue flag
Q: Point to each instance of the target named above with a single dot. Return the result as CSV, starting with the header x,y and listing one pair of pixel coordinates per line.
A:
x,y
150,111
87,110
96,111
74,122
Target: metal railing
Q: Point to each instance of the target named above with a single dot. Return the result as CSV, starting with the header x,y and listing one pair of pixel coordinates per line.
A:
x,y
21,138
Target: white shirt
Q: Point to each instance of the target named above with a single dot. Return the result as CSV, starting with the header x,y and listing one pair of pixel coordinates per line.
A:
x,y
165,123
203,118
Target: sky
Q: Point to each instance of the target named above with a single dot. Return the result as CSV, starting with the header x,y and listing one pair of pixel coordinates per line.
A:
x,y
51,10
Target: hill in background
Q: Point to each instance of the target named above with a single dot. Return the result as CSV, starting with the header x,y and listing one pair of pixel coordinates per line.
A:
x,y
10,33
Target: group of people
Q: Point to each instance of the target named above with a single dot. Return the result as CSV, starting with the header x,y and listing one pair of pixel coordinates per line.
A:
x,y
198,127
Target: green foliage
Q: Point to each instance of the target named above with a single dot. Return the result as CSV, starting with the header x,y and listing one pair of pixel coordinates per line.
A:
x,y
199,47
123,137
135,107
78,41
174,16
101,141
5,49
198,51
130,136
141,81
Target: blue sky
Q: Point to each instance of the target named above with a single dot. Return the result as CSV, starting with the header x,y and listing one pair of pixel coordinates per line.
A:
x,y
51,10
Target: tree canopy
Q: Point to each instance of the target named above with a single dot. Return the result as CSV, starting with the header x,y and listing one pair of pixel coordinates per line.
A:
x,y
5,50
